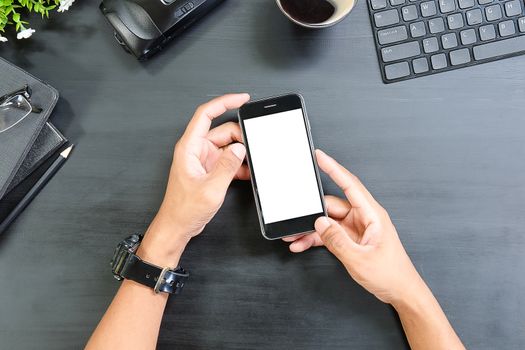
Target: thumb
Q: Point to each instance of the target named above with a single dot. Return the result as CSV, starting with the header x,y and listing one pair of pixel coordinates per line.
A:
x,y
336,239
228,164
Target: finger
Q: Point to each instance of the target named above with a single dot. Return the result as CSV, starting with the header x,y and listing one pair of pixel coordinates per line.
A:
x,y
292,238
225,134
228,165
336,207
201,121
354,190
336,240
306,242
243,173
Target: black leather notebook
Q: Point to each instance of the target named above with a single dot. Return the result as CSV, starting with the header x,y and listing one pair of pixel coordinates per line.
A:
x,y
48,141
16,142
28,148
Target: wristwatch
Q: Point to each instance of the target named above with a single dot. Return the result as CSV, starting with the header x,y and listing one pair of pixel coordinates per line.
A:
x,y
127,265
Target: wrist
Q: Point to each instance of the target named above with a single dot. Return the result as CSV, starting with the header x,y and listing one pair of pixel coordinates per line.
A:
x,y
178,216
163,243
414,296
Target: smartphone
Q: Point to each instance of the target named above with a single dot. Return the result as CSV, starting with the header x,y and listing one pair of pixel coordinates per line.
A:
x,y
285,179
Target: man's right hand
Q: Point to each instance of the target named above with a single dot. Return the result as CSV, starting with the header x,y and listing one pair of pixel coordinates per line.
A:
x,y
360,234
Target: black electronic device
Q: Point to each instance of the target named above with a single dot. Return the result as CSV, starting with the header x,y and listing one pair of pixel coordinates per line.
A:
x,y
286,183
417,38
144,27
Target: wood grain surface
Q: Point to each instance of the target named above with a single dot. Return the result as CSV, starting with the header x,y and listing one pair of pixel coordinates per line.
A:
x,y
444,154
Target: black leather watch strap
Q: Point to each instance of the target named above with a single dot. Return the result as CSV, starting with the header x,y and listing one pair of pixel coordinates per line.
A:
x,y
171,281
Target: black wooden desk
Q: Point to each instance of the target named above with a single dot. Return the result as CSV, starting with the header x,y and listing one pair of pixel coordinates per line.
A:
x,y
444,154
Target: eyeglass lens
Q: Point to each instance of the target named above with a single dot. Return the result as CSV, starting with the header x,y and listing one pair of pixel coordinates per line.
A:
x,y
13,111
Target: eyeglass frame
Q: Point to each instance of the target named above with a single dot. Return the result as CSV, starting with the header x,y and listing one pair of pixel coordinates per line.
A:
x,y
25,92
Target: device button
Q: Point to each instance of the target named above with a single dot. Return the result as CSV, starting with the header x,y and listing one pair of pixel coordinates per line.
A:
x,y
397,70
397,52
460,56
499,48
188,6
386,18
378,4
392,35
420,65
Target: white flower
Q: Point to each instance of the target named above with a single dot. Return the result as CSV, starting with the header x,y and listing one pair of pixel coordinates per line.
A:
x,y
24,34
2,39
65,4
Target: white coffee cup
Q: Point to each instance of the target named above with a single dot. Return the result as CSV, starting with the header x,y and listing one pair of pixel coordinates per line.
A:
x,y
316,13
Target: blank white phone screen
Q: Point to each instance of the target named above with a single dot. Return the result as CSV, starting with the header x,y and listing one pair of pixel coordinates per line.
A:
x,y
283,166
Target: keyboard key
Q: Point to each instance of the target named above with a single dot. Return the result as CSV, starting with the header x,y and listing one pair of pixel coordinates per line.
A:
x,y
506,28
386,18
468,36
474,17
420,65
498,48
436,25
397,52
460,56
439,61
397,2
428,8
449,40
487,32
465,4
378,4
417,29
409,13
513,8
446,6
455,21
392,35
397,70
484,2
493,12
521,24
430,45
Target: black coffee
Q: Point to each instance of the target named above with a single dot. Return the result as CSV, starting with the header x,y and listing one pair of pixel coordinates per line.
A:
x,y
309,11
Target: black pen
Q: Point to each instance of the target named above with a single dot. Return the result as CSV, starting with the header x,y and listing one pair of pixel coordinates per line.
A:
x,y
44,179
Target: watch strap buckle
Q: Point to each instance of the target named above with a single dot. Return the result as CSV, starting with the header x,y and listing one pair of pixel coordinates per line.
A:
x,y
161,279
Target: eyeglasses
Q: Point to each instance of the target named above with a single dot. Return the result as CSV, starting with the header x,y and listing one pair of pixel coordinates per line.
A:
x,y
14,107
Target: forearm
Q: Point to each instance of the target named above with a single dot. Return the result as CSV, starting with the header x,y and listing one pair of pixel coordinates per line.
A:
x,y
133,319
426,325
